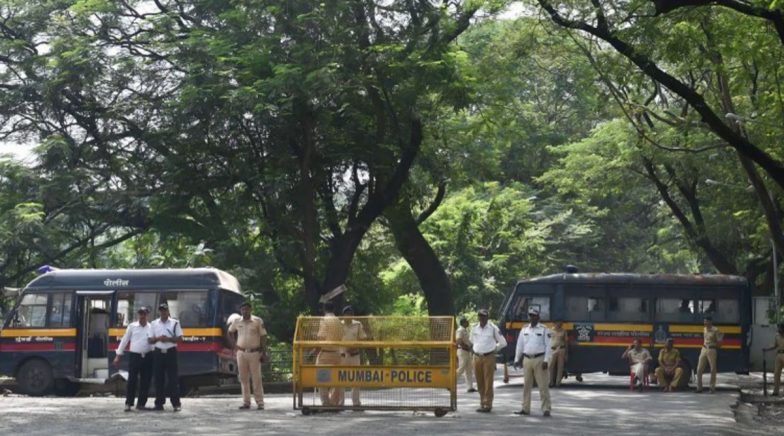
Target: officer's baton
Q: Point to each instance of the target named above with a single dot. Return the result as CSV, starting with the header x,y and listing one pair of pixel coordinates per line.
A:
x,y
764,374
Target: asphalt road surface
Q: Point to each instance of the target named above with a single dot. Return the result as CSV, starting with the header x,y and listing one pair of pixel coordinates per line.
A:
x,y
602,405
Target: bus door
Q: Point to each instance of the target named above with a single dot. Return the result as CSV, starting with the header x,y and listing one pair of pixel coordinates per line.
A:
x,y
93,351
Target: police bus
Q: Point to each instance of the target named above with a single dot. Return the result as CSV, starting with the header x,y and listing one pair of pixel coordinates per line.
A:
x,y
603,313
66,324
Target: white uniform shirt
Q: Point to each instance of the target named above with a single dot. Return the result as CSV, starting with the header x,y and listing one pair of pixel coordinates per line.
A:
x,y
533,341
170,328
487,339
137,335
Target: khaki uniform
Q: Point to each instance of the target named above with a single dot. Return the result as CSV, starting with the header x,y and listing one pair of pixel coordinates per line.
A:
x,y
351,356
669,358
558,339
779,364
330,329
712,337
249,334
465,358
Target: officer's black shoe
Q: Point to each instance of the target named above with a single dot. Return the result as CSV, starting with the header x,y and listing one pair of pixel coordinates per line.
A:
x,y
158,408
471,390
522,412
142,408
547,413
177,408
127,408
244,407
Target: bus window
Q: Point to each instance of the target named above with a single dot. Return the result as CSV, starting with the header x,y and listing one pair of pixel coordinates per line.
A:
x,y
542,304
190,308
231,305
677,310
627,309
584,308
32,311
707,307
129,302
727,312
60,313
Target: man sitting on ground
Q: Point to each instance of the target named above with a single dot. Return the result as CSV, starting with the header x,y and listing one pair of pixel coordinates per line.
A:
x,y
668,374
639,359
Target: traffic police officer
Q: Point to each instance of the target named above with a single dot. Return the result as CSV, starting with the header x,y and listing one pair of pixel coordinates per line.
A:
x,y
487,340
711,339
533,344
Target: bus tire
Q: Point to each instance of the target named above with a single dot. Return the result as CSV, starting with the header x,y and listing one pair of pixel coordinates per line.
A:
x,y
439,412
35,378
66,388
579,377
306,411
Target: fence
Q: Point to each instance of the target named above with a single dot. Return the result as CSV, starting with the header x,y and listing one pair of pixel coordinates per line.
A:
x,y
392,363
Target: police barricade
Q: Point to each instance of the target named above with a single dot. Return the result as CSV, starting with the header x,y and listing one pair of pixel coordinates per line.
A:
x,y
375,363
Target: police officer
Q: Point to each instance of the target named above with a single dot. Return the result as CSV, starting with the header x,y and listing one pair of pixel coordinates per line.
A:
x,y
668,373
465,356
558,337
778,345
250,347
711,340
353,331
533,345
330,330
139,360
165,334
486,340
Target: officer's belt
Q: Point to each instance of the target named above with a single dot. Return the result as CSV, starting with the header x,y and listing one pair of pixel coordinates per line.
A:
x,y
532,356
485,354
710,347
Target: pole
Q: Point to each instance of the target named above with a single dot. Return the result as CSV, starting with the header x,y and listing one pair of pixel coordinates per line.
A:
x,y
764,374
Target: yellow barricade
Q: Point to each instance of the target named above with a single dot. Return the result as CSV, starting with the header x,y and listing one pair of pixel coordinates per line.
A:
x,y
387,363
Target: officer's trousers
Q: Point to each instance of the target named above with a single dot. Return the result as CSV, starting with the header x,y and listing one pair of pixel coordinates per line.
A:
x,y
249,369
532,369
329,396
777,372
484,367
557,365
707,357
465,366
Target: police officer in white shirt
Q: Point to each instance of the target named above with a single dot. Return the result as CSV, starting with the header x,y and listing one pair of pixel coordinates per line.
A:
x,y
139,360
165,333
486,340
533,344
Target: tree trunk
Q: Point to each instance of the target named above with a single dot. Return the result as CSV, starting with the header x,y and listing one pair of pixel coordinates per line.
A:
x,y
420,256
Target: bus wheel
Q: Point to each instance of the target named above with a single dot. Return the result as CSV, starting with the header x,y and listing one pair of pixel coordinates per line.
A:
x,y
439,412
66,388
306,411
579,377
35,378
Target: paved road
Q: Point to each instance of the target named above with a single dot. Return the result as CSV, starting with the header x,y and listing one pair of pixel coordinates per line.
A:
x,y
601,405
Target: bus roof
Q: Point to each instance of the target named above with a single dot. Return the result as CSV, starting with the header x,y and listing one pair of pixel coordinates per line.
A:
x,y
641,279
117,279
